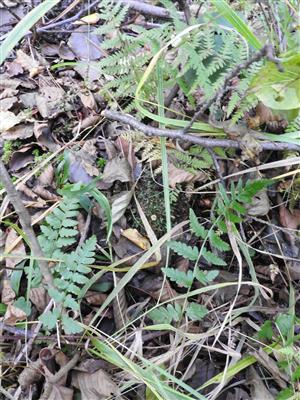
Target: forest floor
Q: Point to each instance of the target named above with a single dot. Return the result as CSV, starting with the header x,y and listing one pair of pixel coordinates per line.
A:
x,y
151,249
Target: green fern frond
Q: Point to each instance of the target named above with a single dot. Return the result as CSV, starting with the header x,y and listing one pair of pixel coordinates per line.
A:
x,y
180,277
188,252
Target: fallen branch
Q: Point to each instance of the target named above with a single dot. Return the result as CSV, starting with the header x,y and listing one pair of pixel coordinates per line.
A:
x,y
177,134
149,9
25,221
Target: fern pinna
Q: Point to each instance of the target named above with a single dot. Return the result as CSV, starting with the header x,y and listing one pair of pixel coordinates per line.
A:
x,y
230,208
71,268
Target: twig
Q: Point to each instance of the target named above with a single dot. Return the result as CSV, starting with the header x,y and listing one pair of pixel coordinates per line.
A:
x,y
10,11
58,376
149,9
25,220
266,51
177,134
186,9
67,20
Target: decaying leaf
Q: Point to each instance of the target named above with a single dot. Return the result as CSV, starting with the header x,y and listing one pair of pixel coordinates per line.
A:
x,y
8,120
7,293
39,297
120,202
289,220
117,169
258,388
30,374
177,175
96,386
85,44
21,131
18,249
90,19
13,314
135,237
95,298
260,204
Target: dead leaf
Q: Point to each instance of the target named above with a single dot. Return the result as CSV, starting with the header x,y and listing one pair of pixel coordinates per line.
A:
x,y
8,103
95,298
117,169
19,249
88,100
96,386
8,93
51,101
260,204
21,131
34,66
88,122
8,120
59,392
21,158
44,136
13,68
89,71
85,44
177,175
135,237
30,374
90,19
47,176
258,389
119,205
39,297
7,294
289,220
13,315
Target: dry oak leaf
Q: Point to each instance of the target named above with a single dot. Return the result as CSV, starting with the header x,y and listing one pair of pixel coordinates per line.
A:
x,y
7,294
18,249
96,386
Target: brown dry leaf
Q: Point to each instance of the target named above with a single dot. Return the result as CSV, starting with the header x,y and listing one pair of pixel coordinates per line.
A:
x,y
260,204
88,122
119,205
51,101
7,294
21,131
117,169
59,392
88,100
30,64
177,175
258,388
90,19
30,374
164,294
44,193
47,176
8,120
39,297
96,386
13,315
95,298
89,71
7,103
19,249
21,158
289,220
13,68
85,44
8,93
44,136
135,237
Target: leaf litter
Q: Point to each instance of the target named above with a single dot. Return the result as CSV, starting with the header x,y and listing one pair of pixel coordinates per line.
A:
x,y
157,329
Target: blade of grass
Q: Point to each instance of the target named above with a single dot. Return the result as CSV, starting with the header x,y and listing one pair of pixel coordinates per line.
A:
x,y
236,21
24,26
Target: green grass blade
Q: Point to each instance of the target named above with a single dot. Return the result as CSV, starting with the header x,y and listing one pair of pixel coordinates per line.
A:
x,y
236,21
24,26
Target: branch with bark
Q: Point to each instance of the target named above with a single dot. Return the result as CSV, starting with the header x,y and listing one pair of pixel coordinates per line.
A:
x,y
177,134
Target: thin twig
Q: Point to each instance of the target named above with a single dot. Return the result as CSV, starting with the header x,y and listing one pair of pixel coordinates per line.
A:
x,y
25,220
149,9
45,28
177,134
266,51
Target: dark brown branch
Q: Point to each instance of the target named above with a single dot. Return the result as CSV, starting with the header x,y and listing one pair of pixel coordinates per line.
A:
x,y
266,51
177,134
25,220
149,9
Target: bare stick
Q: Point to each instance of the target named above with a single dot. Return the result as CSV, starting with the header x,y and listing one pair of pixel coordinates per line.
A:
x,y
177,134
266,51
25,220
149,9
